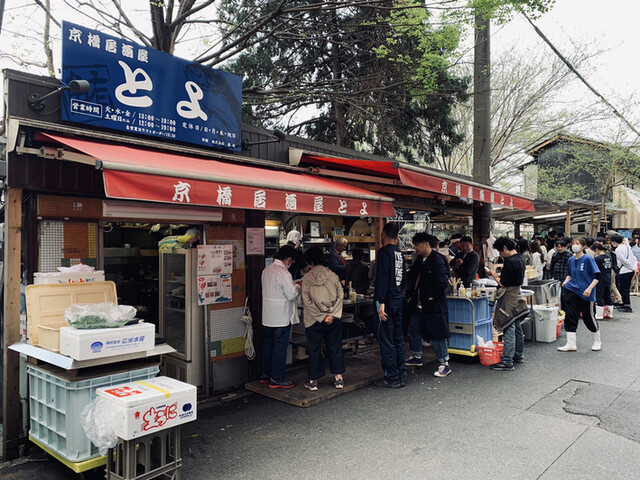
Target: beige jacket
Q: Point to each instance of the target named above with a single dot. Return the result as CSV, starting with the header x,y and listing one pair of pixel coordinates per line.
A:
x,y
321,295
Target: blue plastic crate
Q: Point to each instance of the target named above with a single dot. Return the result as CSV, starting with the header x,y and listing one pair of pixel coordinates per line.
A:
x,y
55,405
464,341
462,311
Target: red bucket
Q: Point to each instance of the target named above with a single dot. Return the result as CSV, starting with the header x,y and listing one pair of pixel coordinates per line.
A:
x,y
559,328
490,355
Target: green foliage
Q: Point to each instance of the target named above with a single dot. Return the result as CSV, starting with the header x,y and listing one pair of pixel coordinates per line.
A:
x,y
586,170
501,11
378,77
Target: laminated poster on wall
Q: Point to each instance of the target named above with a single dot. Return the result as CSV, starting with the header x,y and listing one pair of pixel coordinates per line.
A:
x,y
215,259
214,289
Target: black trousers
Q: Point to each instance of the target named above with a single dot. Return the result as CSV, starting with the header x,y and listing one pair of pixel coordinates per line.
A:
x,y
573,305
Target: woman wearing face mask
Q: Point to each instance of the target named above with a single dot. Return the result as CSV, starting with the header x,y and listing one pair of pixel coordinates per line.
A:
x,y
579,295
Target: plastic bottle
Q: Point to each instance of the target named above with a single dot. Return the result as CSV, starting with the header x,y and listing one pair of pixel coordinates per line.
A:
x,y
353,296
461,291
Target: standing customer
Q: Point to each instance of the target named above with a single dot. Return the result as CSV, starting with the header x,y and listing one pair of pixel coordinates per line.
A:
x,y
627,263
578,295
510,307
279,311
430,309
322,300
604,304
537,257
299,267
559,261
390,277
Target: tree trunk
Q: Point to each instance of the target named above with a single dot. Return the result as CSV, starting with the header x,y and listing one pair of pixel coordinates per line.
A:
x,y
47,39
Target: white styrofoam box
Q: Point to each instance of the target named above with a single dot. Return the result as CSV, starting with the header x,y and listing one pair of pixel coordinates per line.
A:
x,y
546,319
40,278
145,407
85,344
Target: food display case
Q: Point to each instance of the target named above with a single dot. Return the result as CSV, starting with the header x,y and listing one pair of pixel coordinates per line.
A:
x,y
181,318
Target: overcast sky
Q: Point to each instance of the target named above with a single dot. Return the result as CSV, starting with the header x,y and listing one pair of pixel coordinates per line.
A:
x,y
612,26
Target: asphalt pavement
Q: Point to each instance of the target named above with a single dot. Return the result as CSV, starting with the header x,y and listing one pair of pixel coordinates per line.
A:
x,y
558,416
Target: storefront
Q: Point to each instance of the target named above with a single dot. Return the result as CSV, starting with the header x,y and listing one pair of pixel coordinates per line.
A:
x,y
109,194
81,195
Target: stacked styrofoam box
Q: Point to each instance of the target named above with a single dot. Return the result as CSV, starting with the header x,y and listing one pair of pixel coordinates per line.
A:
x,y
145,407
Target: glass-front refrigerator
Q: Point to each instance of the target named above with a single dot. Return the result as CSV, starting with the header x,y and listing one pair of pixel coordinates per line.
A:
x,y
181,318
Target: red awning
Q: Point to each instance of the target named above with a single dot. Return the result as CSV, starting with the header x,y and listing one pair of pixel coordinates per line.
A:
x,y
139,174
413,177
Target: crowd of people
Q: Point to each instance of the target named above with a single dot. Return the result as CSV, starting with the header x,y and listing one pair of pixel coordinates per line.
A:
x,y
592,272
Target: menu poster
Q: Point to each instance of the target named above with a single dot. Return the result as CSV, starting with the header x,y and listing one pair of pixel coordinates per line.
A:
x,y
214,289
255,241
215,259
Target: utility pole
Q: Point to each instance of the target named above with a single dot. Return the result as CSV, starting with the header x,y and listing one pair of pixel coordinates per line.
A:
x,y
1,13
481,127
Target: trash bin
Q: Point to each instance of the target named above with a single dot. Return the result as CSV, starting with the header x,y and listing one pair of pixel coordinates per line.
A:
x,y
546,319
545,292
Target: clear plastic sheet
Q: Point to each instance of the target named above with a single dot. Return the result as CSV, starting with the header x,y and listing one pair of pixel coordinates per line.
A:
x,y
97,419
99,315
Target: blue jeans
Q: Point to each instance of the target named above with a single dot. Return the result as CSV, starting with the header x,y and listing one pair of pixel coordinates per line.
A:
x,y
332,335
441,349
274,352
513,338
391,342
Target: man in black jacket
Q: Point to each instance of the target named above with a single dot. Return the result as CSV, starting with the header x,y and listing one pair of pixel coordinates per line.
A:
x,y
465,263
390,278
429,289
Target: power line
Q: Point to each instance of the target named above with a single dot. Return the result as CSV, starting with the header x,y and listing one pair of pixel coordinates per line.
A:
x,y
582,79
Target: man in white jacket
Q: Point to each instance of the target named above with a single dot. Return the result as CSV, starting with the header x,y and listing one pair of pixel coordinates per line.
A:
x,y
627,263
279,312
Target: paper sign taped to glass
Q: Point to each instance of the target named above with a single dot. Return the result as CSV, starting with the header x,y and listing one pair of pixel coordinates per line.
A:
x,y
214,289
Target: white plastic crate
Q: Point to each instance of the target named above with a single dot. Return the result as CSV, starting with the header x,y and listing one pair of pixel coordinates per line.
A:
x,y
55,405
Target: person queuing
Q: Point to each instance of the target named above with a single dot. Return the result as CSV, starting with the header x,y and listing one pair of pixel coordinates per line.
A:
x,y
559,261
538,258
510,306
337,263
389,283
465,263
428,304
627,264
604,304
579,295
322,300
279,312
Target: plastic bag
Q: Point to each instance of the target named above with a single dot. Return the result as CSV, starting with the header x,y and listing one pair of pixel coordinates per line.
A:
x,y
99,315
97,420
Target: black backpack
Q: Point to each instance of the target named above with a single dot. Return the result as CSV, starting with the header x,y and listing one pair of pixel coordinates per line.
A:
x,y
614,262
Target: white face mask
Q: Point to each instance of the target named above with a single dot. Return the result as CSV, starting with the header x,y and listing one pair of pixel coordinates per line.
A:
x,y
576,248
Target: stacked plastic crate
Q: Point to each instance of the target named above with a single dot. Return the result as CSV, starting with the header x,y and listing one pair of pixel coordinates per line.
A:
x,y
468,318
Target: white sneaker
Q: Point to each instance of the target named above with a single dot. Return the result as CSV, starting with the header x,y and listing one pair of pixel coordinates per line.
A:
x,y
425,343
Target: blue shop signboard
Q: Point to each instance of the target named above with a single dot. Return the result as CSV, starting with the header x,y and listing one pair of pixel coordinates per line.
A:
x,y
143,91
